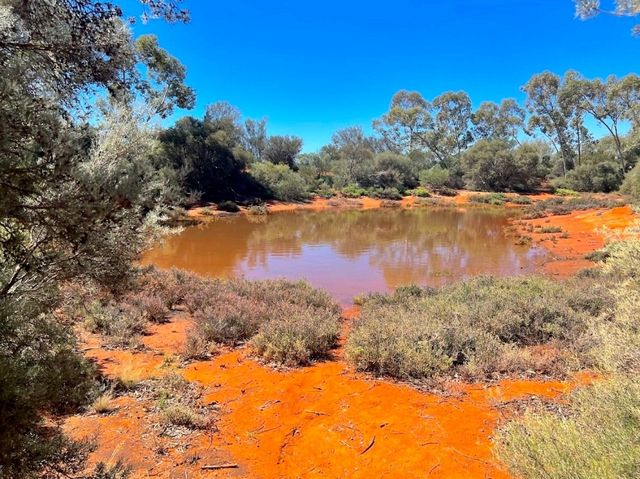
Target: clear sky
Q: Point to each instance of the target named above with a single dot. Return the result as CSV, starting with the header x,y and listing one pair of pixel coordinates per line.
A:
x,y
314,67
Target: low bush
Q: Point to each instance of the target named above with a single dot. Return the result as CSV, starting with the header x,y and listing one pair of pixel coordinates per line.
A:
x,y
564,206
550,229
228,206
295,335
565,192
385,193
474,328
258,210
489,198
179,402
520,200
286,322
420,192
353,191
595,437
121,324
151,305
444,191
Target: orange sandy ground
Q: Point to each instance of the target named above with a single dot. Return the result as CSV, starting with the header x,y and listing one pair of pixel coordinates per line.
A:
x,y
323,420
316,421
582,233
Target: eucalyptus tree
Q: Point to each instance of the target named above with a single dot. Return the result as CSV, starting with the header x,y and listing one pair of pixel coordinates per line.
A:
x,y
254,137
403,127
586,9
501,122
354,148
451,133
76,196
550,116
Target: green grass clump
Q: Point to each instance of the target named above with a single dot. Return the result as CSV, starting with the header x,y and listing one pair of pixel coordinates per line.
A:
x,y
596,437
566,192
475,328
420,192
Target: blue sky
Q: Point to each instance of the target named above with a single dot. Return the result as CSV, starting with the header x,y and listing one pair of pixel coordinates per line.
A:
x,y
314,67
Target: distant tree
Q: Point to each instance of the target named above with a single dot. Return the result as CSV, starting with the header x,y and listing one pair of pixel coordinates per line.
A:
x,y
404,125
550,116
254,138
451,134
501,122
224,119
283,150
354,149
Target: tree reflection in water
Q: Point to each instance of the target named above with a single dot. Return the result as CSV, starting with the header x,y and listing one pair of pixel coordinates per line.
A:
x,y
354,251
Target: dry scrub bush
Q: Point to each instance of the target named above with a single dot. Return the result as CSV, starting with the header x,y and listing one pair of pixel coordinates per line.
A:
x,y
598,437
290,322
179,404
152,306
475,328
564,206
297,335
121,324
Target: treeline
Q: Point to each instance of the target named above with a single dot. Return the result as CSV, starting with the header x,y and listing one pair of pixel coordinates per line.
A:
x,y
571,132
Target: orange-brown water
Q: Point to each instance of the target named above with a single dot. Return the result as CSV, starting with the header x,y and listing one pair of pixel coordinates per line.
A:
x,y
349,252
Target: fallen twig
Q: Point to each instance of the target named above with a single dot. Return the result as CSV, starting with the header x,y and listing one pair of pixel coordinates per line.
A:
x,y
373,441
215,467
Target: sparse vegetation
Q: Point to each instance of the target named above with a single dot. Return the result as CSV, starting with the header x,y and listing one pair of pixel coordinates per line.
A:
x,y
476,328
285,322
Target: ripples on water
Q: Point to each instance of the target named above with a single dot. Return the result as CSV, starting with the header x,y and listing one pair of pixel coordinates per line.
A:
x,y
351,252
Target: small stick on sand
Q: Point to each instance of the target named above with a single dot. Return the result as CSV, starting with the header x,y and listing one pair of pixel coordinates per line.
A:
x,y
215,467
373,441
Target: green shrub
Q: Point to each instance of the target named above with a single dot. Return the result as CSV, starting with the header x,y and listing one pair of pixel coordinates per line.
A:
x,y
281,181
353,191
596,437
475,328
228,206
295,335
120,323
520,200
565,192
496,199
385,193
420,192
631,184
435,177
602,177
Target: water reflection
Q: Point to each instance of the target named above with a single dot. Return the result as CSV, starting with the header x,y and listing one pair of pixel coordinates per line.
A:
x,y
350,252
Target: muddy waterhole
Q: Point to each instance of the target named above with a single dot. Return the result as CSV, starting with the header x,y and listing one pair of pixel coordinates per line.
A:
x,y
352,252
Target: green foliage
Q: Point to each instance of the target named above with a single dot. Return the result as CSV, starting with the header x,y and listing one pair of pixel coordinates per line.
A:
x,y
283,150
565,205
353,191
492,165
476,328
595,437
385,193
599,177
435,177
520,200
631,184
565,192
420,192
496,199
280,181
